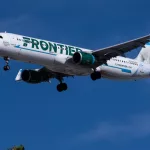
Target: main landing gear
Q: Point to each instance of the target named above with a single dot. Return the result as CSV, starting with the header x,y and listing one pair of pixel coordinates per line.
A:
x,y
6,67
95,76
62,86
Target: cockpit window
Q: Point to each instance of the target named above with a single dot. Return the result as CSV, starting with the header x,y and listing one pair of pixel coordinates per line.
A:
x,y
1,37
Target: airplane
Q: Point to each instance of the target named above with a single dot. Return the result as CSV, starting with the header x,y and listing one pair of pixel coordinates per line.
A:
x,y
60,60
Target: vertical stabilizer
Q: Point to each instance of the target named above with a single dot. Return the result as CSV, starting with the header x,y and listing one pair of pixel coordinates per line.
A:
x,y
144,55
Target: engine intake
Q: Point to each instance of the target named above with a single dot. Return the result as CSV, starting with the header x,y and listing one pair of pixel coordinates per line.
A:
x,y
83,58
31,76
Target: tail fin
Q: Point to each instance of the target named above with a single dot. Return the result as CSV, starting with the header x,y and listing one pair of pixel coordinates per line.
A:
x,y
144,55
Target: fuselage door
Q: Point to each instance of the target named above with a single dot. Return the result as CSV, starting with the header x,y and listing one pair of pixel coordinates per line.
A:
x,y
1,39
13,39
6,40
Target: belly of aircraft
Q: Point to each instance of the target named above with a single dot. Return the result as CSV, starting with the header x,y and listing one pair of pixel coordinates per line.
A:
x,y
70,70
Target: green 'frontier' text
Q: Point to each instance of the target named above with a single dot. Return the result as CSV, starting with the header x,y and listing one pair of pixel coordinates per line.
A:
x,y
50,46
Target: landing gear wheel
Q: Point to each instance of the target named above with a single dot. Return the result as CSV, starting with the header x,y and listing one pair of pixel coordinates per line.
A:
x,y
95,76
6,58
6,68
59,88
62,87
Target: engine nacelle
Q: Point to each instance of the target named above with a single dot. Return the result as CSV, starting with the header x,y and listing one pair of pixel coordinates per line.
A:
x,y
83,58
31,76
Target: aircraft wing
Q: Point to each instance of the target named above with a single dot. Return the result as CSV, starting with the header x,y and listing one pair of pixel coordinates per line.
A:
x,y
46,73
52,73
107,53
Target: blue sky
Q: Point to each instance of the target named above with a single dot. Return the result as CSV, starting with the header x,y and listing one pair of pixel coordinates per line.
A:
x,y
91,115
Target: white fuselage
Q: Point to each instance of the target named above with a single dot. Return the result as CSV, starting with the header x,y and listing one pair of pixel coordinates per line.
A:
x,y
57,57
125,68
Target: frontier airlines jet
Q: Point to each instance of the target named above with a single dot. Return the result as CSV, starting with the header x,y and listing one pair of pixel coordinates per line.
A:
x,y
61,60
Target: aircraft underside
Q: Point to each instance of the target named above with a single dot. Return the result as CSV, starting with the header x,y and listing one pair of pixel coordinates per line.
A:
x,y
44,74
60,71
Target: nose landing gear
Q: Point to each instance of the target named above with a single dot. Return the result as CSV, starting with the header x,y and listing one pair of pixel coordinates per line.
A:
x,y
6,67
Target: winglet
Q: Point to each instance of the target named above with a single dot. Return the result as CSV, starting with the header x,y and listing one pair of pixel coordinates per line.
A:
x,y
18,77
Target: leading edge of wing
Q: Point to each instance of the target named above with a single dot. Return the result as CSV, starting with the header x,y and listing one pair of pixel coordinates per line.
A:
x,y
53,73
139,42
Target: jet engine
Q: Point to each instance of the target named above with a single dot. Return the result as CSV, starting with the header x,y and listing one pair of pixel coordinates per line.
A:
x,y
83,58
32,76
